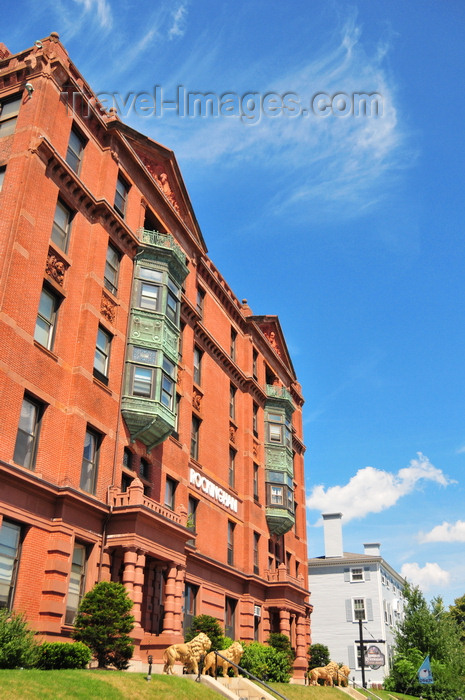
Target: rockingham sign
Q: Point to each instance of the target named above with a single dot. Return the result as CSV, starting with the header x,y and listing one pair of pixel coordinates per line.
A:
x,y
208,487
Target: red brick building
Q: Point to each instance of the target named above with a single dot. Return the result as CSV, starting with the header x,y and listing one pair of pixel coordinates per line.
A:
x,y
150,423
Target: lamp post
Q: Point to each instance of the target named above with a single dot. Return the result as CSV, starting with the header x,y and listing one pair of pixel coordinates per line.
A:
x,y
149,675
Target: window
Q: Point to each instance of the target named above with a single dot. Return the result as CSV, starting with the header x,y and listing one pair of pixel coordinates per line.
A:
x,y
76,145
27,436
255,419
102,355
277,495
192,513
230,617
232,401
121,195
76,582
231,527
197,365
256,542
356,574
232,350
2,175
359,654
149,292
144,468
175,432
90,461
167,384
195,437
61,225
255,481
127,458
111,274
200,301
190,605
46,318
126,482
10,550
232,467
8,115
359,609
172,302
170,490
255,364
142,381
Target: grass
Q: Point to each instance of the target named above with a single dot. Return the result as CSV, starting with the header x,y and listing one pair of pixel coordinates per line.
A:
x,y
119,685
104,685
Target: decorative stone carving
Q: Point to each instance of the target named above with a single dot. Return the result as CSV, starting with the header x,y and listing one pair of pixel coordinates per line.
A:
x,y
162,178
232,433
188,654
197,400
271,337
55,268
108,308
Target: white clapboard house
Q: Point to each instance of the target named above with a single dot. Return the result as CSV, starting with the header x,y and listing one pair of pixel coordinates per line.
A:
x,y
348,588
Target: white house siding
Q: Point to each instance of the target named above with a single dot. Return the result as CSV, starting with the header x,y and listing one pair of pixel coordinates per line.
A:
x,y
333,593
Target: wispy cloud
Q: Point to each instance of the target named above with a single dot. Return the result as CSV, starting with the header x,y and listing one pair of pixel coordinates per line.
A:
x,y
179,16
427,576
447,532
374,490
99,8
346,161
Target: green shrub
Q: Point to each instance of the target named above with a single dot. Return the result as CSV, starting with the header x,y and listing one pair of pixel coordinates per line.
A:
x,y
18,647
266,663
210,626
281,642
318,656
104,622
54,655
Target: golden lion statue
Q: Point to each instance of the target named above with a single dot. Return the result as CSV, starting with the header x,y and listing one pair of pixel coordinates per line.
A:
x,y
233,653
343,675
325,673
188,653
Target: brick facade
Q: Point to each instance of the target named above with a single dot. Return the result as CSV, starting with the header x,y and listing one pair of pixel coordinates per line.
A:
x,y
151,426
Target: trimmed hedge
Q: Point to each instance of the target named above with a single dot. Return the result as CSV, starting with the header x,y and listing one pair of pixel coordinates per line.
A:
x,y
54,655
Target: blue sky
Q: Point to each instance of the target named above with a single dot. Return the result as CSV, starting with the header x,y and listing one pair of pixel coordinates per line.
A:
x,y
349,227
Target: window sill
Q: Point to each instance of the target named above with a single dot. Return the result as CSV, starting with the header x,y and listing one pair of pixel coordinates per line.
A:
x,y
103,386
46,351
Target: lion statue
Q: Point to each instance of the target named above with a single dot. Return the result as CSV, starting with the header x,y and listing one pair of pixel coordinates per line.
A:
x,y
188,653
343,676
320,673
233,653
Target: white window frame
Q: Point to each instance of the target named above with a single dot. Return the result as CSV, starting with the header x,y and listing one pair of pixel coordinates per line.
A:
x,y
352,574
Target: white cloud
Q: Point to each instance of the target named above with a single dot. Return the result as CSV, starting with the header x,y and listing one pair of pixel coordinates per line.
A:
x,y
102,10
447,532
374,490
347,160
425,577
178,28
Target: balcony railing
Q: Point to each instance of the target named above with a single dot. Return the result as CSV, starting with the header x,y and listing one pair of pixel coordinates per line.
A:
x,y
162,240
278,392
134,496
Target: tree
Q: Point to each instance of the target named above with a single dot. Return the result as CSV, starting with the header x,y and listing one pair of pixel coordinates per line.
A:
x,y
281,642
210,626
104,622
18,648
318,656
427,630
457,613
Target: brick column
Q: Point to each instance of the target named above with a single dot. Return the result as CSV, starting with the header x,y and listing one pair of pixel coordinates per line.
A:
x,y
284,622
301,660
178,598
169,603
129,573
265,622
138,586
